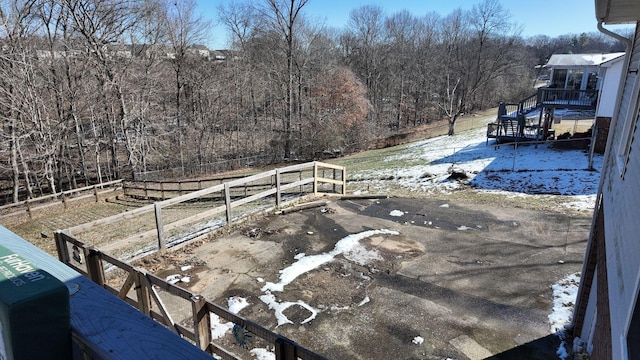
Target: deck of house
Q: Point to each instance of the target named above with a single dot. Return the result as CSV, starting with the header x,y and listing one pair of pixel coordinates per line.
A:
x,y
513,124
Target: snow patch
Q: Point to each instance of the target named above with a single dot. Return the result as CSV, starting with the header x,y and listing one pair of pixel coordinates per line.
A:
x,y
262,354
348,247
280,307
237,303
364,301
396,213
218,328
564,297
565,292
527,170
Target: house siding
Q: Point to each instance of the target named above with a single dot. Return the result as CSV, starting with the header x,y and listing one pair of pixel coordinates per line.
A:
x,y
609,88
620,201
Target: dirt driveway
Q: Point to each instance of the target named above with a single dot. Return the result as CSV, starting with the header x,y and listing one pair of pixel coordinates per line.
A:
x,y
456,281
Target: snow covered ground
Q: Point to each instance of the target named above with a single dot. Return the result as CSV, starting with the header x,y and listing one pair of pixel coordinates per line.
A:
x,y
565,292
525,170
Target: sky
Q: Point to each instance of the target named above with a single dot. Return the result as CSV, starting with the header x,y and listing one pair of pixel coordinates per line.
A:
x,y
548,17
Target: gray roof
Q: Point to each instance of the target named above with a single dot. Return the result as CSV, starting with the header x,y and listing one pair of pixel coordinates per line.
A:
x,y
617,11
575,60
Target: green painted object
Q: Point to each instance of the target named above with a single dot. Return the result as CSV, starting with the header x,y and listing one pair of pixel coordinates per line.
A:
x,y
34,311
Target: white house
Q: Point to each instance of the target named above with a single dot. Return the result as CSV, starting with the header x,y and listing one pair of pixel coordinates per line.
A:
x,y
578,71
607,311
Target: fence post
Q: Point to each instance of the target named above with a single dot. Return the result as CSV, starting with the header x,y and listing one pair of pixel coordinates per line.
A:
x,y
278,192
344,180
95,270
315,178
146,191
162,190
515,153
285,350
95,192
201,322
64,200
61,247
227,202
334,184
142,292
300,179
159,228
28,208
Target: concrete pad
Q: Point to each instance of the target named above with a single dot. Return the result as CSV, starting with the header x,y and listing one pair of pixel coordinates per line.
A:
x,y
470,348
472,281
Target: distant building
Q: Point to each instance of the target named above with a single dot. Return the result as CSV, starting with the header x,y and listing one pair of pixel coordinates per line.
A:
x,y
578,71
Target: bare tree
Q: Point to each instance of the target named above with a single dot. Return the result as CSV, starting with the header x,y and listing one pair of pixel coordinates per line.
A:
x,y
16,25
479,46
364,51
283,16
185,29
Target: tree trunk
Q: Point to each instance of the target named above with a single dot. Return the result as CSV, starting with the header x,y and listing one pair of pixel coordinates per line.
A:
x,y
452,125
15,170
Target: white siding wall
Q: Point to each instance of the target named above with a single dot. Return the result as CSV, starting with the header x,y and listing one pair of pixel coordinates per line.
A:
x,y
609,88
622,215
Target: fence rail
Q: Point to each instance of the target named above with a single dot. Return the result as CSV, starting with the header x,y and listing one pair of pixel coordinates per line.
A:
x,y
146,291
143,291
202,169
64,197
230,195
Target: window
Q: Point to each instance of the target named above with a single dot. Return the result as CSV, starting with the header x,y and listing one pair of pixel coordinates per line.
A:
x,y
574,81
592,81
559,78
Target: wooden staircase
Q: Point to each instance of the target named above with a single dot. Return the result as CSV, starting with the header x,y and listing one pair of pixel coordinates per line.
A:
x,y
511,123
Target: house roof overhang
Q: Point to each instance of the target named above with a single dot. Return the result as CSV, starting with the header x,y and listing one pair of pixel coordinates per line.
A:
x,y
617,11
566,61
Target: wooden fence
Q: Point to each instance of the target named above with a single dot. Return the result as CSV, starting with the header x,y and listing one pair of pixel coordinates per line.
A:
x,y
162,190
233,195
148,293
64,197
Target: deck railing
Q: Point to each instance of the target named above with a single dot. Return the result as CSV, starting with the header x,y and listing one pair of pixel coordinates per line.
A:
x,y
511,122
149,293
577,99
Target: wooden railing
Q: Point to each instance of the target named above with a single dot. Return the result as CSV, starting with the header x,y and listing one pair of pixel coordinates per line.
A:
x,y
577,99
511,122
230,195
64,197
146,291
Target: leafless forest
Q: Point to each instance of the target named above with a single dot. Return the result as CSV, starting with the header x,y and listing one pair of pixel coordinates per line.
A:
x,y
101,89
